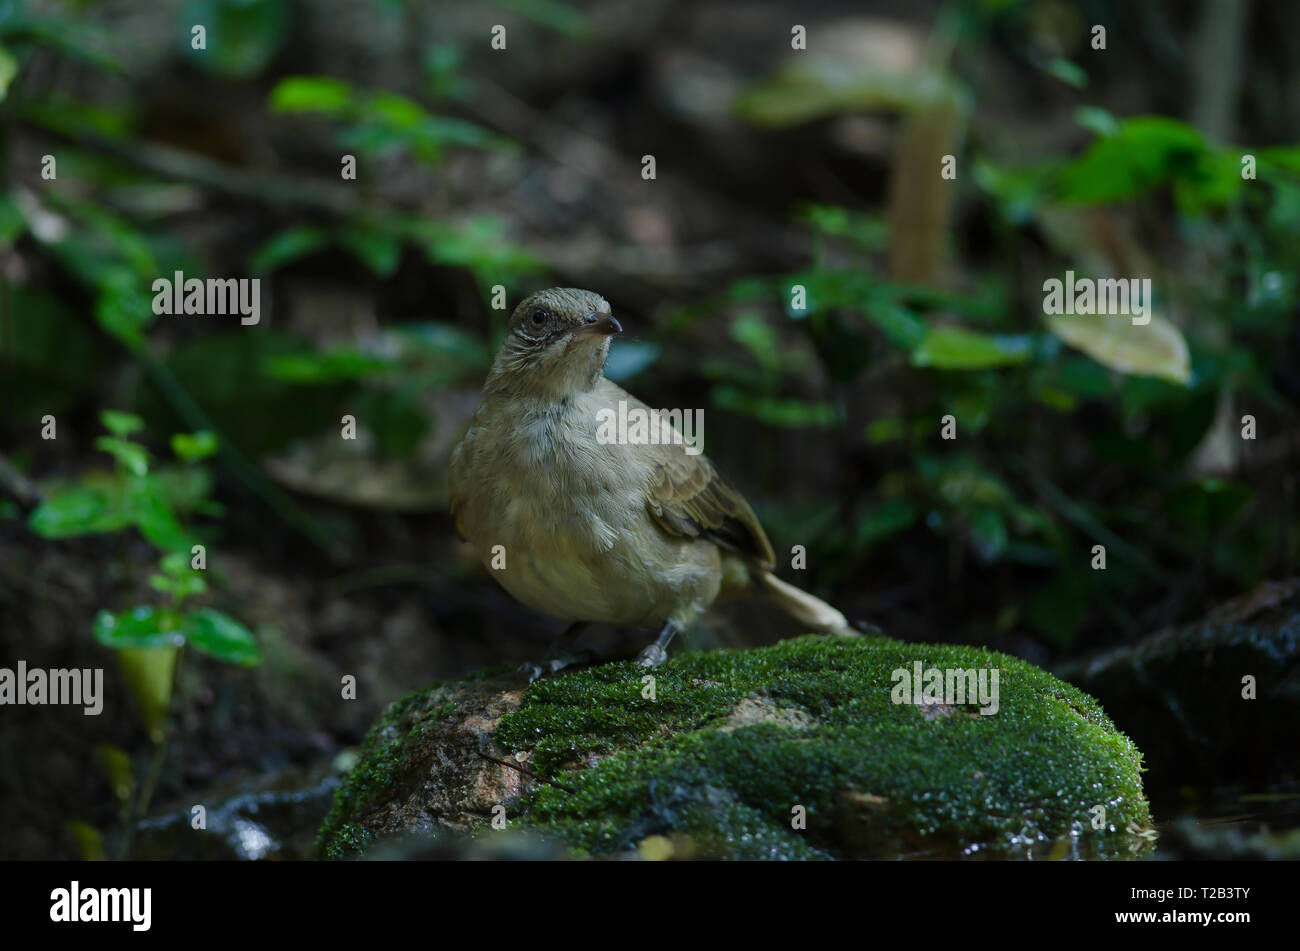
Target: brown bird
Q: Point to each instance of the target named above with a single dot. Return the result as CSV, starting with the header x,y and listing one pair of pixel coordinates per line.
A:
x,y
589,529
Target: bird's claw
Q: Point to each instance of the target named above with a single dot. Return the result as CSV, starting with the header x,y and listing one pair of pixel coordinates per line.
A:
x,y
652,656
532,670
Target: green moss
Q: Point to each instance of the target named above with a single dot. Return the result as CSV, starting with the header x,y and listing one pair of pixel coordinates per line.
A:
x,y
874,777
379,767
1030,772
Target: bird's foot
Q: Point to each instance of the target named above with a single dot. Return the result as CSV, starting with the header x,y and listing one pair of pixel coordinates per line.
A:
x,y
532,670
652,656
657,653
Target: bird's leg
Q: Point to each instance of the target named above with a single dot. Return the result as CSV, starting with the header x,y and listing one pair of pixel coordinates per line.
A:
x,y
560,654
657,653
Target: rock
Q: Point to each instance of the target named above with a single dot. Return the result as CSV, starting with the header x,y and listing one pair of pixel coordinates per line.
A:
x,y
1179,693
722,753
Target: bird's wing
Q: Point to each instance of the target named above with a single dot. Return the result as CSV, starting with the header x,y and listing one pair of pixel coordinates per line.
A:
x,y
686,496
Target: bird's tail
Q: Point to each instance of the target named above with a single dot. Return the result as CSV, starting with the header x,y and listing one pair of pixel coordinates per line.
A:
x,y
802,606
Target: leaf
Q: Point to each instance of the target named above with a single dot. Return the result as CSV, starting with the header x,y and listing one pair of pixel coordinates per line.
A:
x,y
1096,120
123,309
287,246
870,232
155,518
145,627
222,637
1146,152
80,510
119,423
376,249
323,94
900,325
955,348
130,456
754,333
1155,349
8,70
988,535
333,366
888,518
148,675
12,222
1068,72
191,447
179,588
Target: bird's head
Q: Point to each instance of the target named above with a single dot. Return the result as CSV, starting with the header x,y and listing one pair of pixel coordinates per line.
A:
x,y
556,343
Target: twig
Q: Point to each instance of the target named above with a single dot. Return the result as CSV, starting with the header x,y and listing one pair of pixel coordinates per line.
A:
x,y
527,772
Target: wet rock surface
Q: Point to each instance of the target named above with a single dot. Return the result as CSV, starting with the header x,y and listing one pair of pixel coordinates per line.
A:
x,y
799,750
1181,694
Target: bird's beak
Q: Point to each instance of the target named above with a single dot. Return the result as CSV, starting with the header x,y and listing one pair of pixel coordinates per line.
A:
x,y
602,325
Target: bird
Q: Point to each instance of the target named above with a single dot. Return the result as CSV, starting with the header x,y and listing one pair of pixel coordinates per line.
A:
x,y
634,534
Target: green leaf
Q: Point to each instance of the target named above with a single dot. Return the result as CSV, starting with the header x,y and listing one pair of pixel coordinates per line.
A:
x,y
345,363
131,456
192,447
119,423
900,325
870,232
885,429
222,637
155,518
123,309
1147,152
287,246
1070,73
8,70
754,333
955,348
1096,120
988,534
378,250
888,518
323,94
80,510
145,627
12,221
179,588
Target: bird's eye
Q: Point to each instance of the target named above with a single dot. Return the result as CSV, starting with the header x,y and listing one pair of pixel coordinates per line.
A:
x,y
539,317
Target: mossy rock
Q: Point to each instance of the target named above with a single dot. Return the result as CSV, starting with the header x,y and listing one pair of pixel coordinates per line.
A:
x,y
733,742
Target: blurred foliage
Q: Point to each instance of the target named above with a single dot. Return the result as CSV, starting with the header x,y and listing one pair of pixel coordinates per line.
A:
x,y
134,495
1069,432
